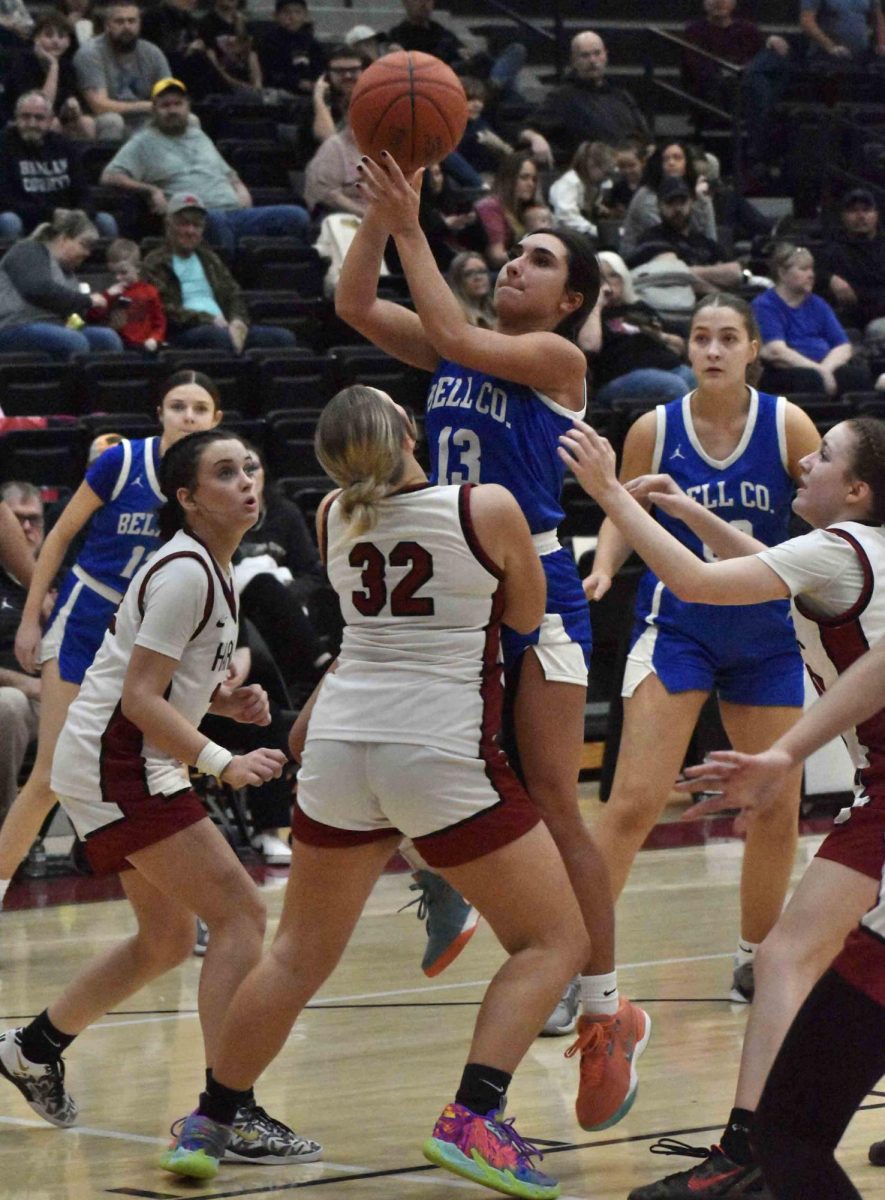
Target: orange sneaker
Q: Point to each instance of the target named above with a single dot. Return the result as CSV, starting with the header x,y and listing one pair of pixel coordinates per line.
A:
x,y
609,1048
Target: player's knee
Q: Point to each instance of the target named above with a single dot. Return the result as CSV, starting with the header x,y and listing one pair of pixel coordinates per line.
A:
x,y
783,955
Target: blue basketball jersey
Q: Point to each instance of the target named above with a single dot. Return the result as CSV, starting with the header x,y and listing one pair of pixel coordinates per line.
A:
x,y
484,429
750,489
125,530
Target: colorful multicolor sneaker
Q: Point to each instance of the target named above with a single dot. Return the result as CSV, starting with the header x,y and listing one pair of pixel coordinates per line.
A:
x,y
488,1151
609,1047
260,1139
198,1148
564,1017
717,1177
41,1084
451,921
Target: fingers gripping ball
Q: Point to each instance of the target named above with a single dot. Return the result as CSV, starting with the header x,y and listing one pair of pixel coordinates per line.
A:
x,y
410,104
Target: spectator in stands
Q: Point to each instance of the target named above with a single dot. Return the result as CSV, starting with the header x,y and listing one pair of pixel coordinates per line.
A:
x,y
79,13
172,155
804,348
576,195
19,693
366,40
468,277
330,177
204,305
516,185
852,265
842,31
173,27
134,307
42,304
674,160
332,91
631,354
480,146
49,68
291,58
40,171
16,24
586,107
630,159
117,71
230,47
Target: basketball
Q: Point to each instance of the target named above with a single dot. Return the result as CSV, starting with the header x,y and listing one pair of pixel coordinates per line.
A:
x,y
411,105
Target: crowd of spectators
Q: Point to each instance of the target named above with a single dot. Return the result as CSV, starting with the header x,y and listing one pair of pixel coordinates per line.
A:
x,y
112,157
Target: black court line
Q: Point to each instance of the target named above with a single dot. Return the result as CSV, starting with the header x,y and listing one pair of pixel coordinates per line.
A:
x,y
392,1173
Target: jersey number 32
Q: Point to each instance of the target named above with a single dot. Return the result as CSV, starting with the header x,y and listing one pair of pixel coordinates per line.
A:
x,y
373,599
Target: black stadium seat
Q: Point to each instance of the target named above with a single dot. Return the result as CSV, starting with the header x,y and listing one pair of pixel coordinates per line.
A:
x,y
46,457
30,387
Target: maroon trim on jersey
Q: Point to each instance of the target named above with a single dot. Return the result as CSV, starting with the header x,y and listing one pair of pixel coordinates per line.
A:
x,y
121,765
470,537
866,591
862,963
210,598
314,833
227,589
859,842
146,820
324,526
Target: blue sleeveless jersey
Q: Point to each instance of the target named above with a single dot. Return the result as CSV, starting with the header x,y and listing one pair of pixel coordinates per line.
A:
x,y
750,489
124,531
483,429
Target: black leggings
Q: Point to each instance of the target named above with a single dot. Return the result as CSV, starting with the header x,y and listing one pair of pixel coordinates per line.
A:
x,y
832,1056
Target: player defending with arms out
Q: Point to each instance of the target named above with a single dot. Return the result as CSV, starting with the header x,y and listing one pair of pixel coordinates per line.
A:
x,y
499,400
401,741
836,578
119,771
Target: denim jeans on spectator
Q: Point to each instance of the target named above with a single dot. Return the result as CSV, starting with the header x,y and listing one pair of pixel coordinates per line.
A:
x,y
58,341
225,226
11,225
647,383
214,337
764,83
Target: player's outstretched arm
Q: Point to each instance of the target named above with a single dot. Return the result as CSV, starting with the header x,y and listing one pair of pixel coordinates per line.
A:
x,y
390,326
737,581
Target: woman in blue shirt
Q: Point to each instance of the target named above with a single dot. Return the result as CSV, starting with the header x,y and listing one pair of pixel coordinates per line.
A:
x,y
804,348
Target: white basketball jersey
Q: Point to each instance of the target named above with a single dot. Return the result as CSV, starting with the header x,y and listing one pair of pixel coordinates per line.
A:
x,y
422,605
181,605
831,644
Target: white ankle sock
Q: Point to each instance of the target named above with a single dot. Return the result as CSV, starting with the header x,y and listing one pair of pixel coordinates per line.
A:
x,y
745,953
4,884
599,994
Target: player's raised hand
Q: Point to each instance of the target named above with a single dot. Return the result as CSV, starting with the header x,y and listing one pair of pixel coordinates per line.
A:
x,y
590,457
662,491
394,199
255,768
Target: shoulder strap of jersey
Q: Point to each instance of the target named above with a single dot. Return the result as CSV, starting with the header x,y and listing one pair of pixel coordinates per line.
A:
x,y
158,563
125,468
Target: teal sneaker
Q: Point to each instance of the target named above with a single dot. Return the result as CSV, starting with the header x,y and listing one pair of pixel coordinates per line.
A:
x,y
198,1148
450,921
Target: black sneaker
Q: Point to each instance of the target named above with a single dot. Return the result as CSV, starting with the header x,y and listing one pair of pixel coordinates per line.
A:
x,y
41,1084
717,1176
877,1154
743,984
261,1140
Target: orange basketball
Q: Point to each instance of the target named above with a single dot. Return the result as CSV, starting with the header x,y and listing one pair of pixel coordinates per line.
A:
x,y
410,104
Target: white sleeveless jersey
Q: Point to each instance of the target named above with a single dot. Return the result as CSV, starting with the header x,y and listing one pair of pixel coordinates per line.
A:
x,y
421,603
182,605
830,644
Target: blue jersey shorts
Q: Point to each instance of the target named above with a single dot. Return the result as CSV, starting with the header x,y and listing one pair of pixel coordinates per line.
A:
x,y
76,628
563,640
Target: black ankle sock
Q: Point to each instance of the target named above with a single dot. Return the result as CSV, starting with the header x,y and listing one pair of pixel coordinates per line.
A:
x,y
736,1138
483,1089
41,1042
220,1103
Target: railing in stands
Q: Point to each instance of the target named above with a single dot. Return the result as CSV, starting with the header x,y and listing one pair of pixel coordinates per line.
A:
x,y
557,37
734,118
838,177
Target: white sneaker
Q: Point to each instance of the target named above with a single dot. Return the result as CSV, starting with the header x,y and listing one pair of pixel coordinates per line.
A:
x,y
272,849
564,1017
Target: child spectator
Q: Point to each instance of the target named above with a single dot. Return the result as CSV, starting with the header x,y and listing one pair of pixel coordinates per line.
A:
x,y
134,309
480,145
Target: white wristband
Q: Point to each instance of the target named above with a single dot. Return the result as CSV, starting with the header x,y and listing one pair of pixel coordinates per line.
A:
x,y
213,760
